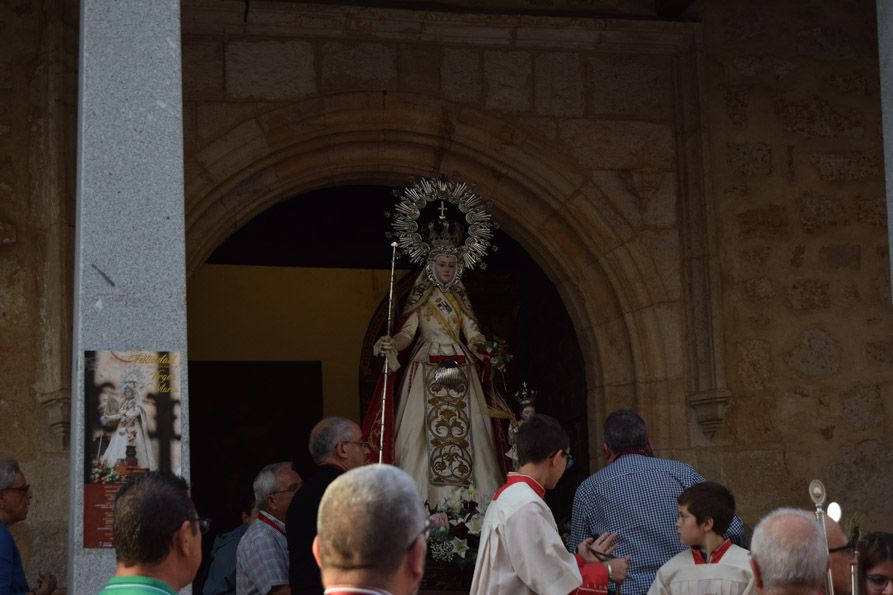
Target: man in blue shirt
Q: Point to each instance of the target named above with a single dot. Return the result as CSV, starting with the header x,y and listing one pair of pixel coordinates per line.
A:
x,y
635,496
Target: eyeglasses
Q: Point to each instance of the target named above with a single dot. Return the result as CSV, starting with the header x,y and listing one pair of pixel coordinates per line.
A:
x,y
845,547
204,523
363,443
878,581
289,490
567,455
23,489
426,530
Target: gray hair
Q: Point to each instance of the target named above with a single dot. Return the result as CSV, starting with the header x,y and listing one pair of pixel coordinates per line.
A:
x,y
790,549
8,470
368,518
326,435
267,482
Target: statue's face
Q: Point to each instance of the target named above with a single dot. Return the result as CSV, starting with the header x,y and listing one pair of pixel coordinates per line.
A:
x,y
445,268
527,412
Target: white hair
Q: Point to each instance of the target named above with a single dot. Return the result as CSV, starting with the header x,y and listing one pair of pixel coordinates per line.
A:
x,y
368,518
789,548
326,436
267,482
9,468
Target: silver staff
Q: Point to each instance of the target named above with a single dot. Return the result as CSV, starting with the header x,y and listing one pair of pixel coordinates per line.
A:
x,y
384,384
818,494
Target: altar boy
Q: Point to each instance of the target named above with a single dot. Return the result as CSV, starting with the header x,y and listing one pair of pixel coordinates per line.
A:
x,y
521,551
712,564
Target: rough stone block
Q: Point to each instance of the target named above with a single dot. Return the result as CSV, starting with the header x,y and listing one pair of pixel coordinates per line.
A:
x,y
865,464
507,80
817,354
797,256
270,69
872,211
558,84
202,69
7,81
880,351
757,255
13,302
754,364
611,144
743,26
419,68
759,289
841,256
461,75
817,212
750,159
766,222
826,43
809,294
736,99
630,85
7,233
862,406
856,83
847,166
358,65
756,65
816,118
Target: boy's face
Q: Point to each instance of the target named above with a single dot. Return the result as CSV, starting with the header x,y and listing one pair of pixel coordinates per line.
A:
x,y
690,532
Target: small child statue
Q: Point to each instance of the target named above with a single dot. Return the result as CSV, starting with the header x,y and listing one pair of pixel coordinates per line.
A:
x,y
525,398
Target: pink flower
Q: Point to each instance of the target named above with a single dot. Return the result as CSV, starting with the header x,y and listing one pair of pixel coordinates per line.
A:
x,y
440,519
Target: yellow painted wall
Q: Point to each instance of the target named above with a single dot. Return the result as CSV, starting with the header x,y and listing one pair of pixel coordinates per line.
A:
x,y
246,313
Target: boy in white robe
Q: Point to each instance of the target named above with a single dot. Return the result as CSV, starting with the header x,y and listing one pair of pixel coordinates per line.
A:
x,y
521,550
713,565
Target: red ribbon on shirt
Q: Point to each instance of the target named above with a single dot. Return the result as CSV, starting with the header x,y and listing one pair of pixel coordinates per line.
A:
x,y
262,517
514,478
715,555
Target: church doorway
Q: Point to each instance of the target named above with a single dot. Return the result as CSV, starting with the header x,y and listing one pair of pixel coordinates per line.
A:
x,y
281,319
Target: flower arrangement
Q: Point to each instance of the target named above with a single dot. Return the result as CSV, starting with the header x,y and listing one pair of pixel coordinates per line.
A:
x,y
498,351
456,527
102,473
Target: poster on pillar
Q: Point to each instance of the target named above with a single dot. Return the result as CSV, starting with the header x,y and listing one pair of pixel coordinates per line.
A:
x,y
132,417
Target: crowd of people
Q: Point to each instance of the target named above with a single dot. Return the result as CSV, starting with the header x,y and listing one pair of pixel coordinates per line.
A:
x,y
641,524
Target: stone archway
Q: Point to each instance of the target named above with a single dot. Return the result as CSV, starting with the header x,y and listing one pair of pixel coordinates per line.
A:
x,y
606,278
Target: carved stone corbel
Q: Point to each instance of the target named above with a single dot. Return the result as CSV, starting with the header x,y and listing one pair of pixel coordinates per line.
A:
x,y
710,409
643,184
57,406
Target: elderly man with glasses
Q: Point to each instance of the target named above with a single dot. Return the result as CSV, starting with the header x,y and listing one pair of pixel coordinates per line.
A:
x,y
157,536
336,445
372,534
262,555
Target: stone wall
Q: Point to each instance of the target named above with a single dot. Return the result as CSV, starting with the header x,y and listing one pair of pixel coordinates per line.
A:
x,y
798,192
37,106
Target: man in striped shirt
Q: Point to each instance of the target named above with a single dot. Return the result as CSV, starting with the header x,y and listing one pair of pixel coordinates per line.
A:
x,y
634,495
157,535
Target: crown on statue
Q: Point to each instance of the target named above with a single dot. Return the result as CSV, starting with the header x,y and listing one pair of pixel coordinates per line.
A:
x,y
444,236
525,396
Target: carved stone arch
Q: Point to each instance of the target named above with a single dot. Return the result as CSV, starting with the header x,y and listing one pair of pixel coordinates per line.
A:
x,y
545,201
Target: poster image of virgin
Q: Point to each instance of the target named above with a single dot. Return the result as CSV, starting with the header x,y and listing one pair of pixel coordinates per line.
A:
x,y
132,412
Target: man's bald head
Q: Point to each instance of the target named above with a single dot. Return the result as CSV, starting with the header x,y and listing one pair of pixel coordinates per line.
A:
x,y
839,561
328,435
789,551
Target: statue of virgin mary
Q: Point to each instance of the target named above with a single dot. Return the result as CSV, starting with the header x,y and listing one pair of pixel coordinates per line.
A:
x,y
442,430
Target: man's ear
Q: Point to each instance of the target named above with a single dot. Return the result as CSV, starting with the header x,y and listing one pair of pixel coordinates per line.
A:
x,y
609,454
181,542
757,579
316,554
415,560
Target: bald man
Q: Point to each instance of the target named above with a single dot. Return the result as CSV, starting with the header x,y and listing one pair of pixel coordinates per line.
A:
x,y
841,553
788,554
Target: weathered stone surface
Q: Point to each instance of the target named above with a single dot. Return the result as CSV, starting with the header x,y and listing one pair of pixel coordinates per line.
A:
x,y
270,69
816,118
818,354
419,68
6,76
825,43
507,80
847,165
744,26
759,289
461,75
872,211
750,159
49,544
558,85
797,256
862,406
766,222
757,255
809,294
841,256
736,99
624,84
202,69
818,212
358,65
854,83
611,144
754,363
760,320
865,464
13,305
7,233
880,350
756,65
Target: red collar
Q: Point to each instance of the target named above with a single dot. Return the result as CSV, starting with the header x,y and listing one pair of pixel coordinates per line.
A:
x,y
514,478
268,519
715,556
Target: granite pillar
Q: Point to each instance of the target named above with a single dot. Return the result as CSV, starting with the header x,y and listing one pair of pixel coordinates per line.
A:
x,y
130,287
885,48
